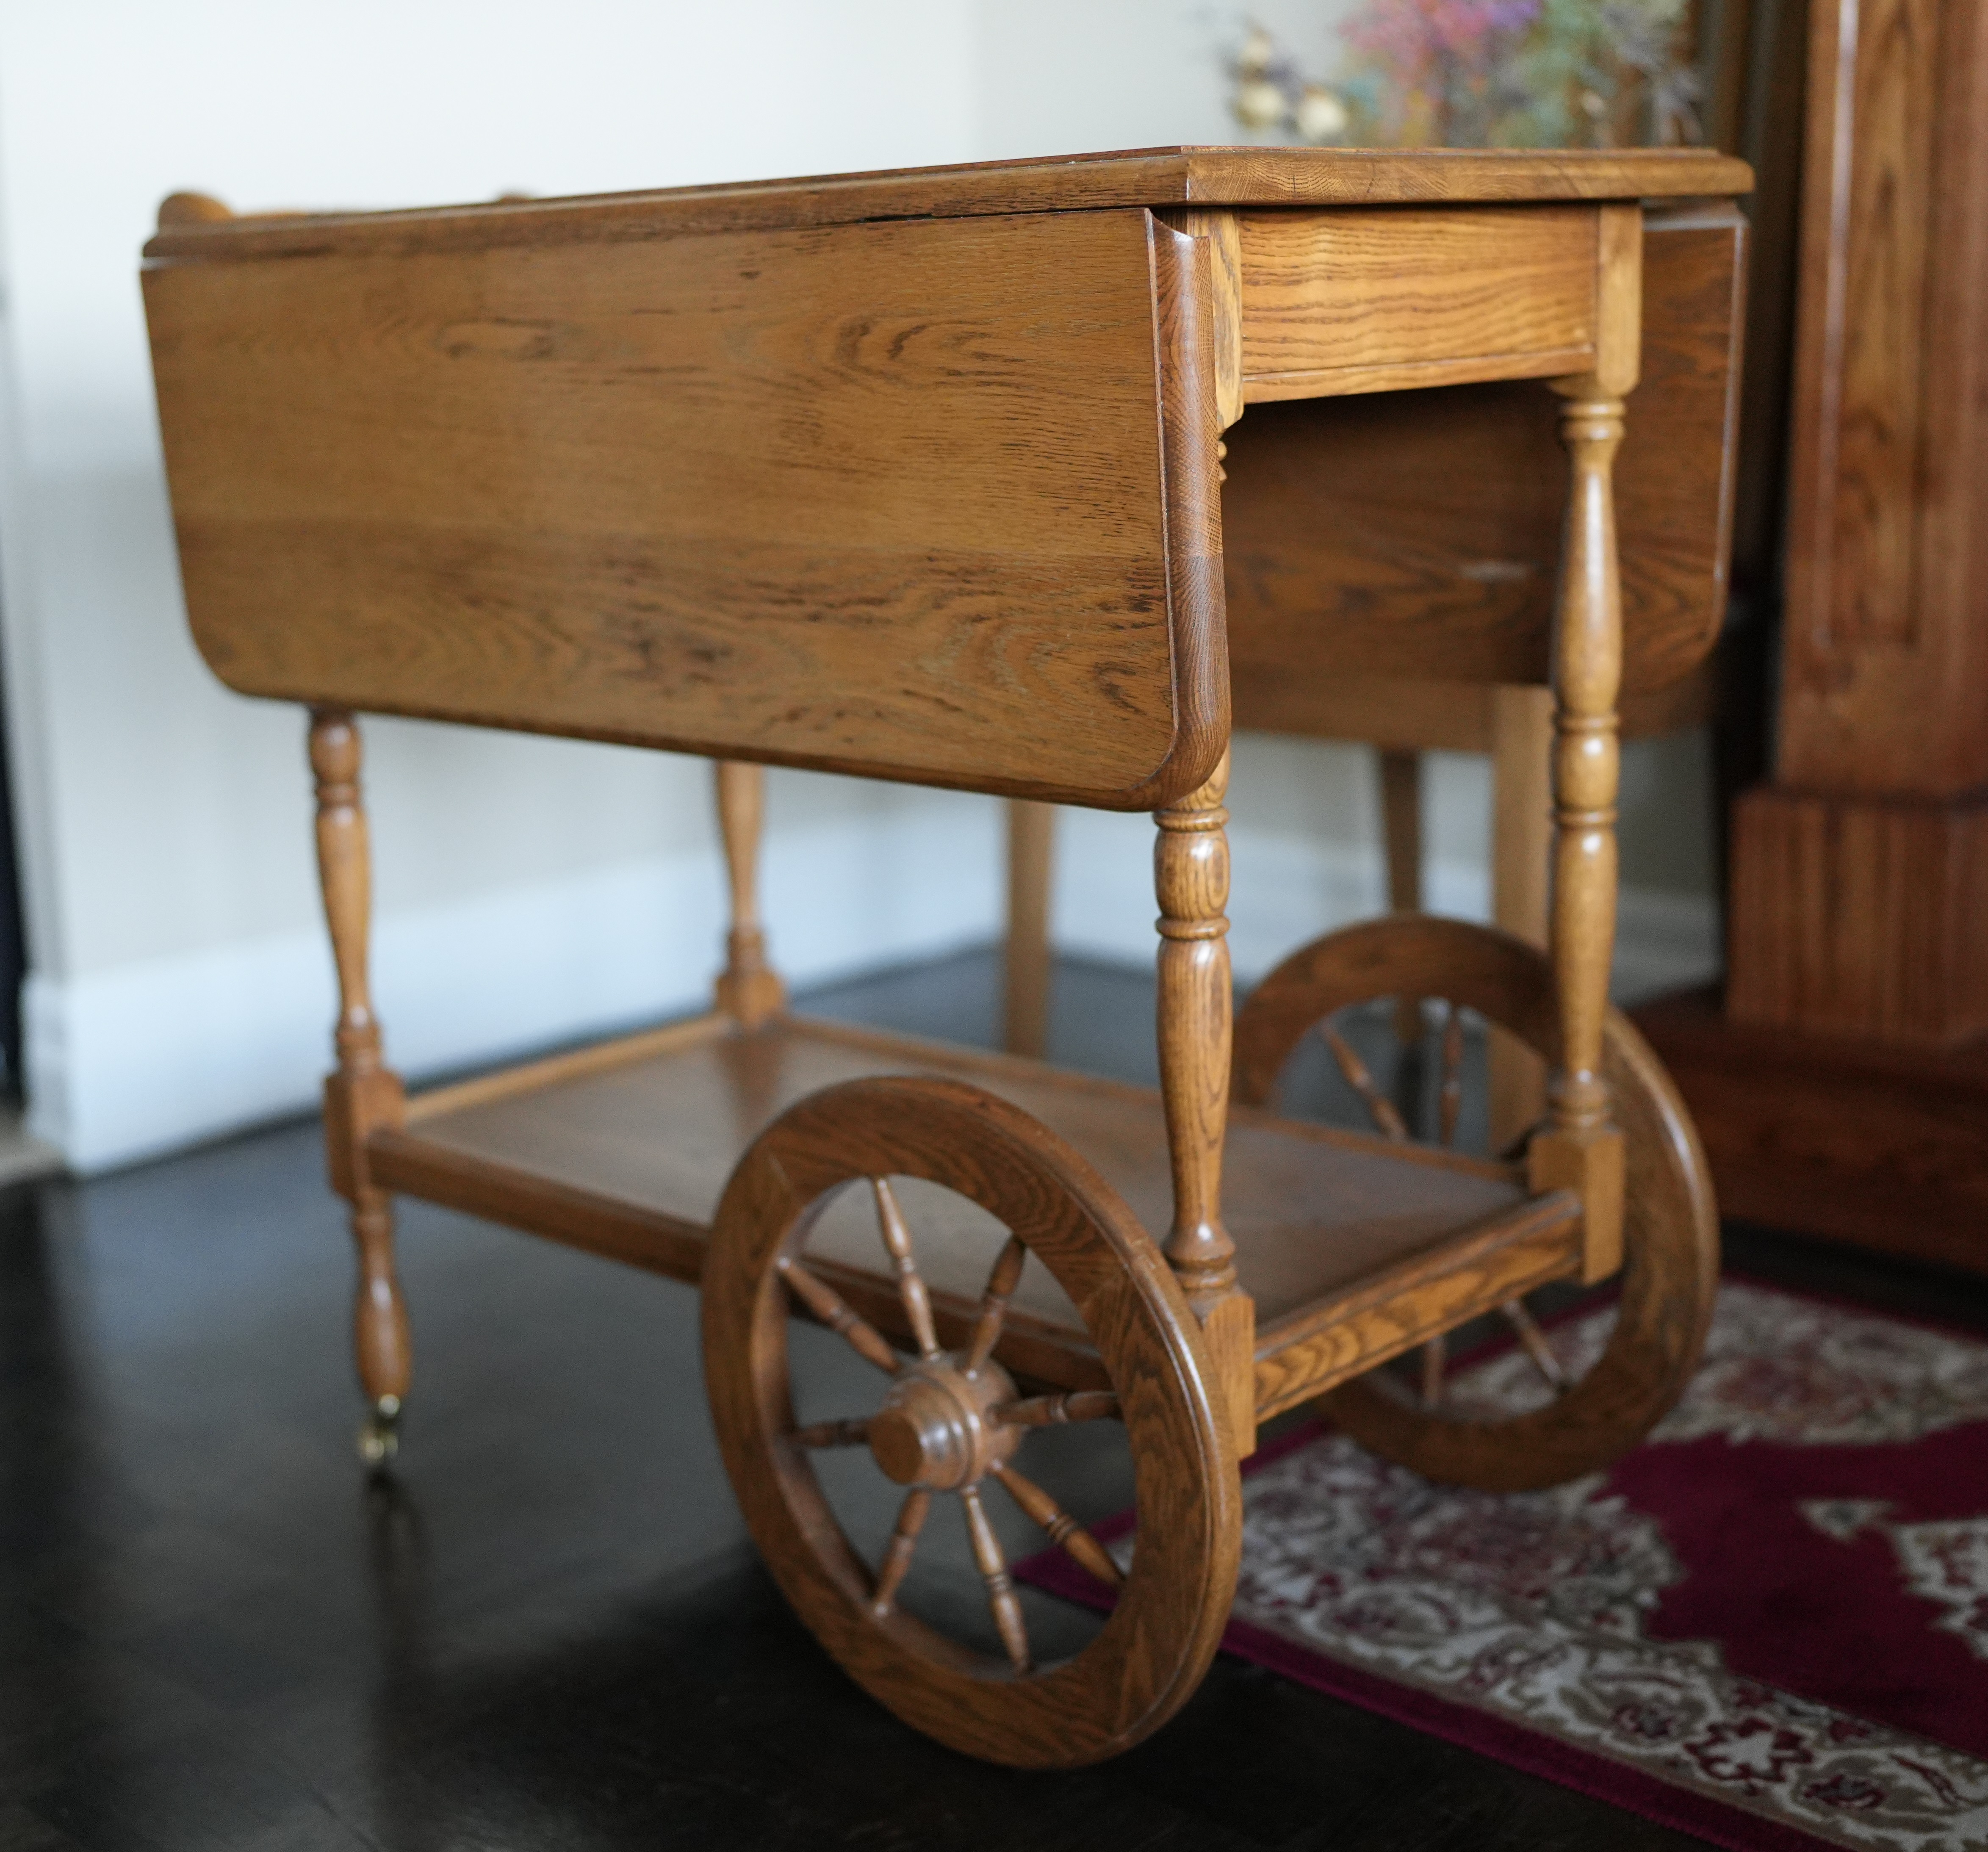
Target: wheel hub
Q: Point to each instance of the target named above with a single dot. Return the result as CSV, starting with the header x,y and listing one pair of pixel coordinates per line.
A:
x,y
936,1429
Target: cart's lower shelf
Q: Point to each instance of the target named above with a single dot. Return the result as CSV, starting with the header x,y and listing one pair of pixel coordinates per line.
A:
x,y
1353,1249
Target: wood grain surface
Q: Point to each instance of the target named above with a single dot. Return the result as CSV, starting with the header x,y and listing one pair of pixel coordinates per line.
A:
x,y
1859,916
1348,302
1417,534
1859,875
1844,1137
1867,337
1221,232
1404,713
1351,1249
627,1159
1145,176
658,1130
902,499
1885,651
1421,1297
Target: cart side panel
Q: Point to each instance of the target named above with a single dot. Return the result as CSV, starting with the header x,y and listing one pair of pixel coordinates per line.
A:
x,y
889,498
1417,534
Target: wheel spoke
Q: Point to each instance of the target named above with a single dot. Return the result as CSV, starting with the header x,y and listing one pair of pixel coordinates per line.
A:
x,y
910,1283
1002,1599
1064,1531
829,1305
1538,1346
1380,1108
852,1433
1450,1098
1001,1285
1053,1411
1435,1356
898,1552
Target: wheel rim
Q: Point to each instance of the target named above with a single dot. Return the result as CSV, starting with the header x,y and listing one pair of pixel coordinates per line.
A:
x,y
1671,1259
937,1434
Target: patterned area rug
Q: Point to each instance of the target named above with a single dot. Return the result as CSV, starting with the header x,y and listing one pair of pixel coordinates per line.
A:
x,y
1768,1626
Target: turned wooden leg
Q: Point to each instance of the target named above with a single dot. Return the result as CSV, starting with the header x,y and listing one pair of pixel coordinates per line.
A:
x,y
1581,1147
1196,1004
363,1094
749,989
1025,991
1402,828
1522,837
1401,833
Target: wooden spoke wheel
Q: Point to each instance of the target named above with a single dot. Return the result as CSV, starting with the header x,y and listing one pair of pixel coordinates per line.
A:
x,y
952,1424
1671,1237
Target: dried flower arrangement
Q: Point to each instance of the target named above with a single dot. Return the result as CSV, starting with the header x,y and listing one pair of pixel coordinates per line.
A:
x,y
1484,73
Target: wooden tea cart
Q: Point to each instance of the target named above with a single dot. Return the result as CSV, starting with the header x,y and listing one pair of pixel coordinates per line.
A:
x,y
918,476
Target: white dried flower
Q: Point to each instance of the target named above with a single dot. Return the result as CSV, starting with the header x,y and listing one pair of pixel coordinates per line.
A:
x,y
1320,116
1259,104
1258,49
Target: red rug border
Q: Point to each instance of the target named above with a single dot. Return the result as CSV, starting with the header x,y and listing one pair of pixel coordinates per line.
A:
x,y
1589,1772
1730,1823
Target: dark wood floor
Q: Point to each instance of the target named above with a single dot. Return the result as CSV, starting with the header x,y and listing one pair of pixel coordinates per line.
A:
x,y
547,1630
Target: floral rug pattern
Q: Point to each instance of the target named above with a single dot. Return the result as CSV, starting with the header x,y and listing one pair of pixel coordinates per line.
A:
x,y
1537,1609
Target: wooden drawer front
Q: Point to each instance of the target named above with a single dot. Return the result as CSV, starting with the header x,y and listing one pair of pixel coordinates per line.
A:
x,y
1337,302
886,498
1417,534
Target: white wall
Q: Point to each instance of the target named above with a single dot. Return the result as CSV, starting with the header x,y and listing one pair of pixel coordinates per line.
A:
x,y
1062,76
527,890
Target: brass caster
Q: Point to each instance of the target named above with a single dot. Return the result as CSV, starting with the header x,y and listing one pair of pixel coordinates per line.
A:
x,y
379,1434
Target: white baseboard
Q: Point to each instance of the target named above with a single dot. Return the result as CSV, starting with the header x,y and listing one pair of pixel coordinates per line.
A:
x,y
128,1063
1287,890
